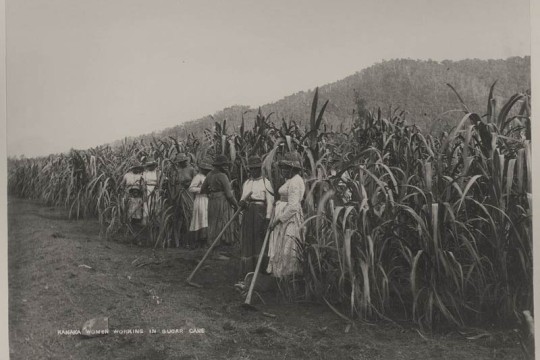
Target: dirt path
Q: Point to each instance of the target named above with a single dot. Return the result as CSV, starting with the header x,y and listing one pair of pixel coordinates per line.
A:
x,y
50,291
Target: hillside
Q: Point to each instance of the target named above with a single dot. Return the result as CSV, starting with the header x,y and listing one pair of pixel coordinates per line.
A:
x,y
417,86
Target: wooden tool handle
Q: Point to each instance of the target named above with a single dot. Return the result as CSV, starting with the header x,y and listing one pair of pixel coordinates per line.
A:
x,y
214,244
261,255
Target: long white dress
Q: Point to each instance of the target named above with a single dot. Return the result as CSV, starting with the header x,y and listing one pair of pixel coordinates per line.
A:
x,y
199,220
283,247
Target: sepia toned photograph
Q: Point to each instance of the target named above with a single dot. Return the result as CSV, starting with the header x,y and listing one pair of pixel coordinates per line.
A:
x,y
269,179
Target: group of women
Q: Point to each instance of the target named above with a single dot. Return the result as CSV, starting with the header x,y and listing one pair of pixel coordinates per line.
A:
x,y
263,211
140,183
283,219
206,204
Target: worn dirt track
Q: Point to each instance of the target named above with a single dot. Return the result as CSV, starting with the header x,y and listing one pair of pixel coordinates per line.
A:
x,y
51,291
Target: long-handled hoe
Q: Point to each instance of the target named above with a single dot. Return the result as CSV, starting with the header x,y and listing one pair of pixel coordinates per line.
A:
x,y
247,303
209,251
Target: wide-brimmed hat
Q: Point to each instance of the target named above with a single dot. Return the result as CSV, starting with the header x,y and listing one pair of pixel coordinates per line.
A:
x,y
205,164
292,160
181,157
254,162
136,167
221,160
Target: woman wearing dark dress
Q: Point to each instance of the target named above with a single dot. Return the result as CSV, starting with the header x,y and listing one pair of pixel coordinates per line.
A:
x,y
178,187
221,201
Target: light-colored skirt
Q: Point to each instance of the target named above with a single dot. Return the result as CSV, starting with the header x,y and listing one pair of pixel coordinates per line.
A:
x,y
283,250
199,220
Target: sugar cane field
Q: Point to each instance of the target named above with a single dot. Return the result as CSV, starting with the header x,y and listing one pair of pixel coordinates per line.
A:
x,y
415,244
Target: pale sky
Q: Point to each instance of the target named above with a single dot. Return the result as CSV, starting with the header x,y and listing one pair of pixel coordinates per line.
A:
x,y
81,73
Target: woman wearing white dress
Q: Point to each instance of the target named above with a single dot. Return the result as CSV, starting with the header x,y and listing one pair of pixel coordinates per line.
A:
x,y
288,221
199,219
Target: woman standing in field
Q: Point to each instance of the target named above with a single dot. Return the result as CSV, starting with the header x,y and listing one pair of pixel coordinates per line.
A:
x,y
133,183
221,201
199,219
257,211
288,220
184,176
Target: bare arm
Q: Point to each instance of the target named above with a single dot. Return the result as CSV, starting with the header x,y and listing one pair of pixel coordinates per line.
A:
x,y
196,185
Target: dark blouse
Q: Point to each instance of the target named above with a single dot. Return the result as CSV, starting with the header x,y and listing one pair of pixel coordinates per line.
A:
x,y
217,181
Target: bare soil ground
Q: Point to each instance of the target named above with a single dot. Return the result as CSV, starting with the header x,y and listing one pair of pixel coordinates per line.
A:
x,y
51,291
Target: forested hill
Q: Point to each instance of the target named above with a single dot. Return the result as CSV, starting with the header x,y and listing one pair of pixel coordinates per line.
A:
x,y
417,86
